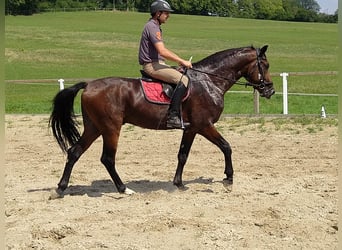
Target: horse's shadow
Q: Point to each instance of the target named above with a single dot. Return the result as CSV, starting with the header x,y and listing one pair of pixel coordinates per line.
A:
x,y
99,188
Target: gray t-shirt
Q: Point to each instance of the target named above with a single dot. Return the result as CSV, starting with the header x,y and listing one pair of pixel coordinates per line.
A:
x,y
151,34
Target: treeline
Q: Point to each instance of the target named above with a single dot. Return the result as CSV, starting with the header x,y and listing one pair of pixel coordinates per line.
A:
x,y
282,10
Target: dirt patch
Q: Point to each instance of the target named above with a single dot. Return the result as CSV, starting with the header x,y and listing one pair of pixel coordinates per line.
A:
x,y
284,195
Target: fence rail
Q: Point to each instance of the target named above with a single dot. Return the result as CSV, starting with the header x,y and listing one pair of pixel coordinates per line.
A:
x,y
70,81
317,73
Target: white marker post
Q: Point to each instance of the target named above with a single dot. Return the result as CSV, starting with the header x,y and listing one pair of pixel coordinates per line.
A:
x,y
61,84
285,106
323,114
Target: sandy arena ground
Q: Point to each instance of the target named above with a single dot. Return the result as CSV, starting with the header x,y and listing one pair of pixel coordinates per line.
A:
x,y
284,195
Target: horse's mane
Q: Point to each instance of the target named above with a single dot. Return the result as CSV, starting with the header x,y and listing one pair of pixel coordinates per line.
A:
x,y
222,55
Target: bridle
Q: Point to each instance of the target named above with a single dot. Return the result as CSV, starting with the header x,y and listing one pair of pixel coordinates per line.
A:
x,y
262,82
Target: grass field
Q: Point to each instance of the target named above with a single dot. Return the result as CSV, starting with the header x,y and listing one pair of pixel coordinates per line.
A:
x,y
97,44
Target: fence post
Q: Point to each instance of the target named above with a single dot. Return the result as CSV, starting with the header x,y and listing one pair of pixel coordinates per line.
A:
x,y
285,106
256,102
61,84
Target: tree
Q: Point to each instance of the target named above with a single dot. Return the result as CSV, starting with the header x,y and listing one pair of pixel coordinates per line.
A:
x,y
325,18
268,9
290,10
310,5
142,5
304,15
246,8
21,7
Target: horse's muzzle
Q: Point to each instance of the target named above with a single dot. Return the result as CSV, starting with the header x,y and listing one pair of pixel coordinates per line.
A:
x,y
267,91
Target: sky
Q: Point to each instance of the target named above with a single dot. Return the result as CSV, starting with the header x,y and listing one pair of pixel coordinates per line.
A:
x,y
328,6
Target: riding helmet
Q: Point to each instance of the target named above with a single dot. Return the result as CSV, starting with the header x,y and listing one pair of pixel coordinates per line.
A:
x,y
160,5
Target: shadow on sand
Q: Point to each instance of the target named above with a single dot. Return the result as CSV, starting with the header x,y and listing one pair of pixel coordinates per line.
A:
x,y
100,187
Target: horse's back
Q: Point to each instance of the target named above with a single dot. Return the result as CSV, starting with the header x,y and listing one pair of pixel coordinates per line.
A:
x,y
121,100
114,89
97,86
107,95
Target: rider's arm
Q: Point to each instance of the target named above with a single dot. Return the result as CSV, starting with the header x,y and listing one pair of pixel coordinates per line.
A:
x,y
168,54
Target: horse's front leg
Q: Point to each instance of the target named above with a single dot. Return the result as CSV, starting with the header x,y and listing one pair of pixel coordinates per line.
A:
x,y
184,149
215,137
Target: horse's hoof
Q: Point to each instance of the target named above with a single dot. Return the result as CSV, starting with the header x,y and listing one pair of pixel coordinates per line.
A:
x,y
181,187
228,181
56,194
228,184
128,191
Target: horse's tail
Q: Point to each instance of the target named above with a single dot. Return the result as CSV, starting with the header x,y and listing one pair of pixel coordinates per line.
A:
x,y
63,120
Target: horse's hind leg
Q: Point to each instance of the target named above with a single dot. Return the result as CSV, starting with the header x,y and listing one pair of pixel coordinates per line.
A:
x,y
110,143
74,153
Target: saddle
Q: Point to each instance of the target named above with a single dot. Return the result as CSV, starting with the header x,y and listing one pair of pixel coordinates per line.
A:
x,y
157,91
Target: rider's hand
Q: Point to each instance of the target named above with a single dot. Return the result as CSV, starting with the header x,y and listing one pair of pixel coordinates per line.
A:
x,y
186,64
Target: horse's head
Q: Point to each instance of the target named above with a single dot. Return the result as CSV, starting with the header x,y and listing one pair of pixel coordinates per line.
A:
x,y
258,75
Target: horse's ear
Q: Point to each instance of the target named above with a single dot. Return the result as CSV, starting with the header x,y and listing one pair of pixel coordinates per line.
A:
x,y
263,50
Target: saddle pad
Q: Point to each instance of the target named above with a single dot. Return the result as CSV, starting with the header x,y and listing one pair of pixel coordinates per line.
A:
x,y
153,92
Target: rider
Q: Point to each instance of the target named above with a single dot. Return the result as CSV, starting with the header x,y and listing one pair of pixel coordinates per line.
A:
x,y
152,55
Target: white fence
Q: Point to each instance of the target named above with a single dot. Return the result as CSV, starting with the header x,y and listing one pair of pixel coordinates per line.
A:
x,y
284,76
285,92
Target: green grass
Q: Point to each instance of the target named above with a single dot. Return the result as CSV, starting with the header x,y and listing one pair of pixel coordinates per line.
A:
x,y
236,103
98,44
33,98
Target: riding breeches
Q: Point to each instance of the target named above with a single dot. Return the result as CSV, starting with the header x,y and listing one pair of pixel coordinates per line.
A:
x,y
159,70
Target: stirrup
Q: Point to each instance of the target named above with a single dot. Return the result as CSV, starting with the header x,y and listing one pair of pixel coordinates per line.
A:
x,y
175,122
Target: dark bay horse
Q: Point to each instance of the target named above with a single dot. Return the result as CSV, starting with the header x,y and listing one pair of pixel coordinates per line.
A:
x,y
108,103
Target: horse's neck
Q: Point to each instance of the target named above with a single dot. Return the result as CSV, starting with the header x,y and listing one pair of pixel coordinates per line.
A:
x,y
232,69
226,67
222,76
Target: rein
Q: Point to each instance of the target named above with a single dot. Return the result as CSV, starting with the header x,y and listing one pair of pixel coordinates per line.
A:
x,y
224,78
260,85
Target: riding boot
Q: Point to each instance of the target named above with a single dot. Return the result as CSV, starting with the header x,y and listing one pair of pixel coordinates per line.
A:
x,y
174,113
